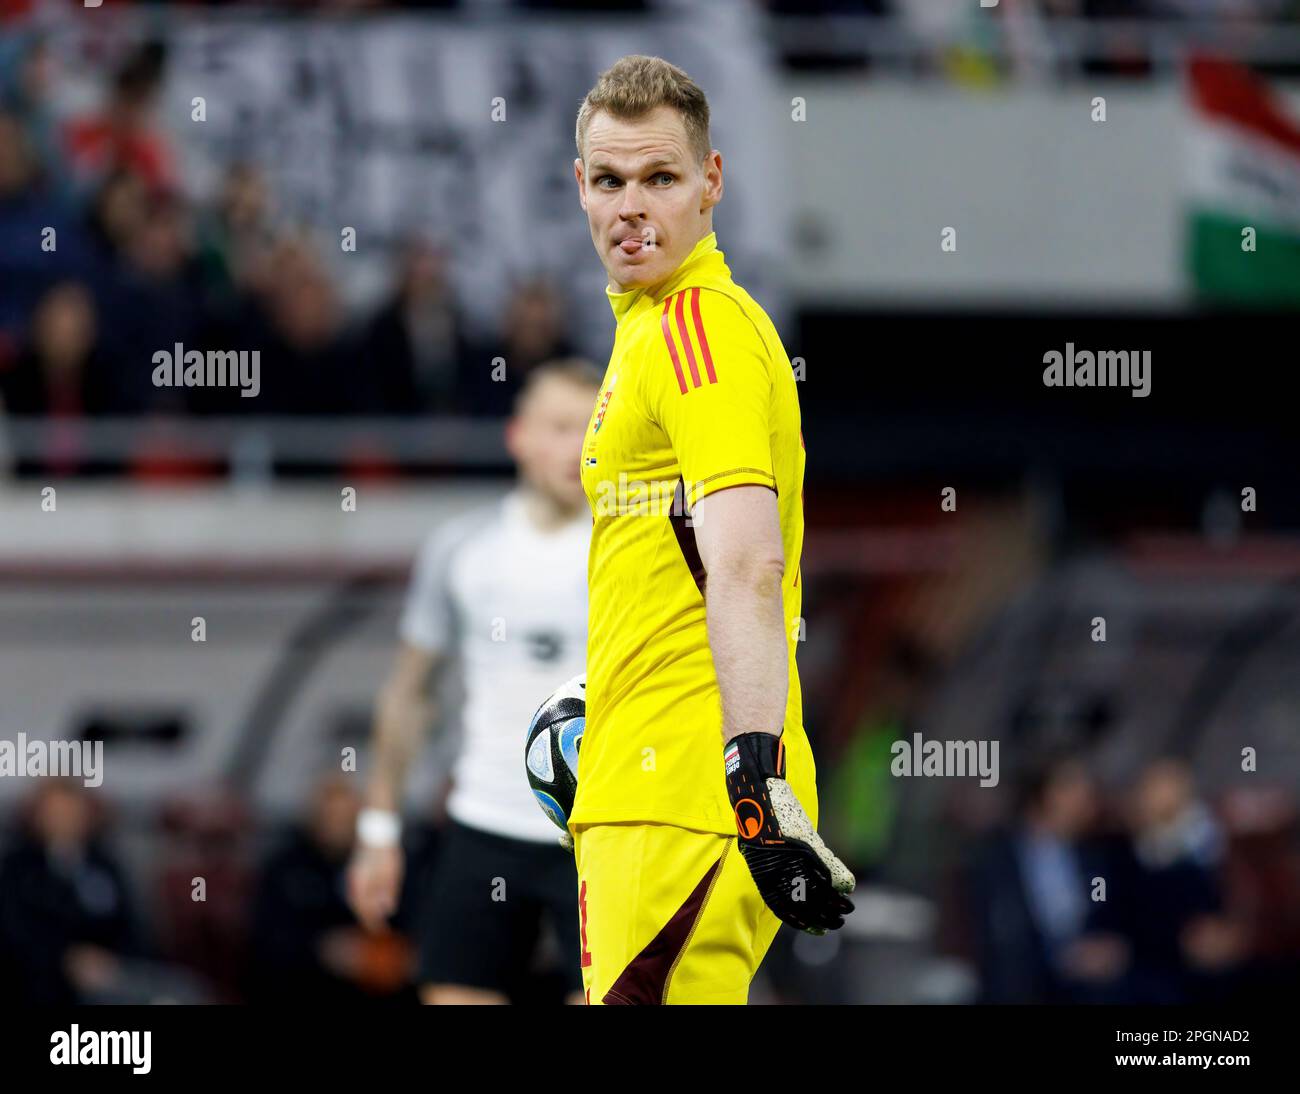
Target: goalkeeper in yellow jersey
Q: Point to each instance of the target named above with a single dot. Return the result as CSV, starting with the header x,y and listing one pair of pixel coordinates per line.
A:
x,y
694,823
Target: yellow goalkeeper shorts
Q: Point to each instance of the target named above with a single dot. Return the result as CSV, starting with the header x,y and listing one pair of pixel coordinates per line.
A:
x,y
668,915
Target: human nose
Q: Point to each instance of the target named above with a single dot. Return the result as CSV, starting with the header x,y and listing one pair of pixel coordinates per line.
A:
x,y
633,204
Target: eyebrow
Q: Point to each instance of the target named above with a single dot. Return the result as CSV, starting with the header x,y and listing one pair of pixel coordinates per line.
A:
x,y
662,161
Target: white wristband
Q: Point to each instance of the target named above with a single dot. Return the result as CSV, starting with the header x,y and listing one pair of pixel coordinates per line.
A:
x,y
378,828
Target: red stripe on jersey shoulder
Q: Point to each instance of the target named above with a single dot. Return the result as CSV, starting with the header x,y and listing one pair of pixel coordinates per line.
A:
x,y
699,333
672,349
686,338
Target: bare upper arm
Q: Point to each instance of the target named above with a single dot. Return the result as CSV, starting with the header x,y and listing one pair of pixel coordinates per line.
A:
x,y
739,526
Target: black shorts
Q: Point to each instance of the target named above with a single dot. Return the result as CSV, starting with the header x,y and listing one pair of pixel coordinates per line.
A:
x,y
488,901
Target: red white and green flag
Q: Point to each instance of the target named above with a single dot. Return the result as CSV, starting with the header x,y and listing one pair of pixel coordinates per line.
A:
x,y
1245,174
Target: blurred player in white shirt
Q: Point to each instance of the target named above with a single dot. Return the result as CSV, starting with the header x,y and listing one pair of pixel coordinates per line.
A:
x,y
503,591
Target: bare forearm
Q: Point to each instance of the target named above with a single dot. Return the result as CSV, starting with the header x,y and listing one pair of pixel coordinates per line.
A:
x,y
747,636
400,723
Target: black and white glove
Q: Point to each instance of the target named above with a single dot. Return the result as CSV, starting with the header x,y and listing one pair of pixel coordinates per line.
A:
x,y
797,875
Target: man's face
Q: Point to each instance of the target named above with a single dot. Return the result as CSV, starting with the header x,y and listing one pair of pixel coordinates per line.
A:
x,y
545,438
1071,801
648,200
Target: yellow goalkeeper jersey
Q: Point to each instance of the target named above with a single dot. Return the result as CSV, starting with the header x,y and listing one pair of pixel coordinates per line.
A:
x,y
699,395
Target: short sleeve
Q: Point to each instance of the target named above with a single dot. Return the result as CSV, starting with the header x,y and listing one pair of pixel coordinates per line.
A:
x,y
709,386
428,617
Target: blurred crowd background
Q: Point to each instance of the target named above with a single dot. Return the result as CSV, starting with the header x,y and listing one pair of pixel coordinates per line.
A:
x,y
1121,759
142,262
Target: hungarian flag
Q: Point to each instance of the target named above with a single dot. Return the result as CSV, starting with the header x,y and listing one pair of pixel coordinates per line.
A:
x,y
1244,211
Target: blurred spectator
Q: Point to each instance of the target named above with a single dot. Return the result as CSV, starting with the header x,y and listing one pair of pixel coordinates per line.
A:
x,y
59,371
236,237
1185,948
532,331
415,346
307,944
66,923
153,297
1263,880
27,209
310,362
237,256
1041,936
124,135
117,212
26,86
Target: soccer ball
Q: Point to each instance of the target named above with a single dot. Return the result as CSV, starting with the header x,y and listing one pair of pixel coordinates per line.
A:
x,y
551,748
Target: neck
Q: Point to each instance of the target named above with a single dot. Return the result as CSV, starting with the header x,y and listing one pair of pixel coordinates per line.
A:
x,y
545,512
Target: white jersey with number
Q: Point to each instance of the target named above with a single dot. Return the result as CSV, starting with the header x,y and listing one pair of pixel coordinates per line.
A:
x,y
508,602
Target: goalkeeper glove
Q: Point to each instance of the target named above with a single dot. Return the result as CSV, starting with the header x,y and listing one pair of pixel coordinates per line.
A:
x,y
796,873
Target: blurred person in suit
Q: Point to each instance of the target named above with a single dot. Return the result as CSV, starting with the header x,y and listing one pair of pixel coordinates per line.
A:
x,y
1042,937
1186,946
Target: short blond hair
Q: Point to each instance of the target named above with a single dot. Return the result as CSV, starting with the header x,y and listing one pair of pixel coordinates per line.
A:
x,y
576,370
635,85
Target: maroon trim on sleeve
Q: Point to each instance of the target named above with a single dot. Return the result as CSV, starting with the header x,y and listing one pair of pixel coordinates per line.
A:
x,y
685,534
